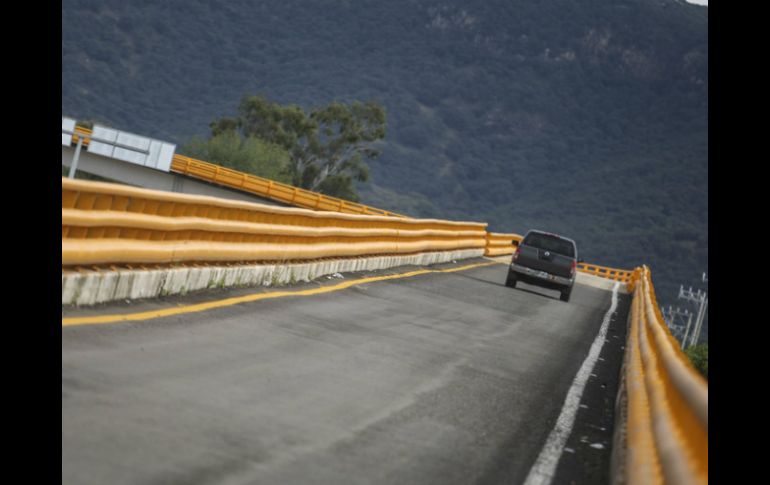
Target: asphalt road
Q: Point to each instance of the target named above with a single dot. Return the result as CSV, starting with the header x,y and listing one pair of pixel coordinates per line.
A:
x,y
439,378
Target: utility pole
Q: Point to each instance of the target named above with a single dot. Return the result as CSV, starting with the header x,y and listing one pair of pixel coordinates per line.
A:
x,y
701,313
681,330
699,298
74,165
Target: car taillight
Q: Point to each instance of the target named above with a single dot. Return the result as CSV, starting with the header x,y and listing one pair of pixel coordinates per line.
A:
x,y
574,268
516,254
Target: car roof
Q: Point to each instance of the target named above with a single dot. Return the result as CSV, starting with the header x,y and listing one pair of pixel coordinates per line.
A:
x,y
546,233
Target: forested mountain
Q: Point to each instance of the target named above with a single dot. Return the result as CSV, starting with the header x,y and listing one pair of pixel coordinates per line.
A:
x,y
584,117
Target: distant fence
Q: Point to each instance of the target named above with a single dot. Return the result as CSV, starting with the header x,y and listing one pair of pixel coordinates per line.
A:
x,y
663,434
105,223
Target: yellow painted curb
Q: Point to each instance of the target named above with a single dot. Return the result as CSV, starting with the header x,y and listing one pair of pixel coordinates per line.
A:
x,y
199,307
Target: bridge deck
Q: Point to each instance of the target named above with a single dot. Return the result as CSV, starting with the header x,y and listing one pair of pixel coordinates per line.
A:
x,y
437,378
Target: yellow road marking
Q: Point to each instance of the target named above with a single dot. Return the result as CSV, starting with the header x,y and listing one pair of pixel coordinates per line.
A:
x,y
199,307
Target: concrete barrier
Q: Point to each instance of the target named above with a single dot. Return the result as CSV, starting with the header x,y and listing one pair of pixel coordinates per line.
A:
x,y
85,287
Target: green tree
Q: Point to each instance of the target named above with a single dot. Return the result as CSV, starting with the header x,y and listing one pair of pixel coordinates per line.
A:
x,y
699,356
246,154
327,147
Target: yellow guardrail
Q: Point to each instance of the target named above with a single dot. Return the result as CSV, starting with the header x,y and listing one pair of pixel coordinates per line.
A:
x,y
621,275
499,244
84,132
262,187
269,188
667,400
104,223
666,430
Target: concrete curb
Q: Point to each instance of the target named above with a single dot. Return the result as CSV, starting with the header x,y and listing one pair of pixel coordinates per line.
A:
x,y
600,282
90,288
619,442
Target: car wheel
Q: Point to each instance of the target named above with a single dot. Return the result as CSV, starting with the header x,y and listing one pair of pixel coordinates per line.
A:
x,y
510,281
565,294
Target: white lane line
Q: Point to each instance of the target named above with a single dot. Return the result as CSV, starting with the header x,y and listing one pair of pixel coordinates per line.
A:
x,y
542,471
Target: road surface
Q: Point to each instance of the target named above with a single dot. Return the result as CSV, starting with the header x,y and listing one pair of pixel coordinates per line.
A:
x,y
447,378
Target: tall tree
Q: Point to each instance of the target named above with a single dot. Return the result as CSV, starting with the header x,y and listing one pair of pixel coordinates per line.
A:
x,y
328,147
226,147
347,134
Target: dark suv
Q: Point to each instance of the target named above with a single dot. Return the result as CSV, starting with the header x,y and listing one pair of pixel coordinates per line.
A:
x,y
546,260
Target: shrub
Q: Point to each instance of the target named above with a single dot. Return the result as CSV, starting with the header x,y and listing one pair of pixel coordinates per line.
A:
x,y
699,356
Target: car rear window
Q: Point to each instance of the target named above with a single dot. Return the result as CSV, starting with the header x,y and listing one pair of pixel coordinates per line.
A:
x,y
550,243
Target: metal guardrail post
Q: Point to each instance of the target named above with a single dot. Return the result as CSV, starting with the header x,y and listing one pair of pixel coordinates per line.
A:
x,y
74,166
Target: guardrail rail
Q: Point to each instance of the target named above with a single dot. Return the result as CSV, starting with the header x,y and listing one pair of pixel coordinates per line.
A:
x,y
663,401
270,189
105,223
499,244
622,275
259,186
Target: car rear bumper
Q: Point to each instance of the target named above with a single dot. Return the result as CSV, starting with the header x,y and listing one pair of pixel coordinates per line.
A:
x,y
541,276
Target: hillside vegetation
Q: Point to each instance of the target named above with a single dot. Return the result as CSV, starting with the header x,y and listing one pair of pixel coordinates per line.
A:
x,y
586,117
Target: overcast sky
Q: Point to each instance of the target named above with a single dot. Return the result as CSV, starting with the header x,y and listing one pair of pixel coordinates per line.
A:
x,y
698,2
